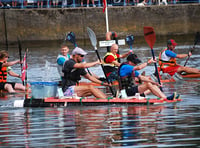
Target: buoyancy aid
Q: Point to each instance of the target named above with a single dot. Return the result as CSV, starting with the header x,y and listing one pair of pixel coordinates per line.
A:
x,y
3,74
59,67
109,67
126,82
165,61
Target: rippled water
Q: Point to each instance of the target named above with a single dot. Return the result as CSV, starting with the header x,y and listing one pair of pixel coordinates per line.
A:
x,y
168,125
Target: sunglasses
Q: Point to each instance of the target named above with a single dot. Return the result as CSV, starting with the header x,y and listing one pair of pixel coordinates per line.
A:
x,y
81,55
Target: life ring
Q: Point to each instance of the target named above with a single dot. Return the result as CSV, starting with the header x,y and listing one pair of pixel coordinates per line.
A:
x,y
111,35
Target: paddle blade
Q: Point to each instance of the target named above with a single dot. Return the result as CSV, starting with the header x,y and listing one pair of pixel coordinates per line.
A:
x,y
71,37
92,37
130,40
149,36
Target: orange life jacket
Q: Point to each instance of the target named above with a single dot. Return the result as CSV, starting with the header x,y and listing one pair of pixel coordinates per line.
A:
x,y
3,74
164,64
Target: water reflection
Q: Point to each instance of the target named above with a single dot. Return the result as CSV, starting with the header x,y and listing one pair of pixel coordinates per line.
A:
x,y
114,126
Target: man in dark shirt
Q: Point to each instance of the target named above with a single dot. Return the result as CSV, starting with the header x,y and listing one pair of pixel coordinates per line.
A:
x,y
73,69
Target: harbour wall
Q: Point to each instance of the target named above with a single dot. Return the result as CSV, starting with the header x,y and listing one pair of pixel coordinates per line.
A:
x,y
52,24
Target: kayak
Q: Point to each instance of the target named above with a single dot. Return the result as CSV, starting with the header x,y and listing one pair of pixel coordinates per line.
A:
x,y
165,78
63,102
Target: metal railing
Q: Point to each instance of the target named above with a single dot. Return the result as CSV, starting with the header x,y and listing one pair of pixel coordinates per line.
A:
x,y
23,4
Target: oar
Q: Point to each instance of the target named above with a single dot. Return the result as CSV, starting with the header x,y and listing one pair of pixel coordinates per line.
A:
x,y
93,40
150,38
196,40
129,41
71,37
20,54
26,76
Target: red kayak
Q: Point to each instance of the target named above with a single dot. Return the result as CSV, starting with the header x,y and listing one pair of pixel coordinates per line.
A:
x,y
177,77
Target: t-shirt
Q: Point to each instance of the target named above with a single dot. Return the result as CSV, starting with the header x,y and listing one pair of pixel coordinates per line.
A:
x,y
71,74
170,53
110,58
126,70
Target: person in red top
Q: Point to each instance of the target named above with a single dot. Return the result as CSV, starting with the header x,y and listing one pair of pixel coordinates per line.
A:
x,y
111,63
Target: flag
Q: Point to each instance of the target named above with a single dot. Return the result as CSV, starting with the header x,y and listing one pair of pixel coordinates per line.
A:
x,y
24,67
104,5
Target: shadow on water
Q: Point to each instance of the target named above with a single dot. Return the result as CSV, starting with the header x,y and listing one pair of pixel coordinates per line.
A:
x,y
168,125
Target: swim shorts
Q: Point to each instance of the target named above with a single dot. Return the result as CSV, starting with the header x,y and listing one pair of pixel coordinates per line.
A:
x,y
69,91
171,70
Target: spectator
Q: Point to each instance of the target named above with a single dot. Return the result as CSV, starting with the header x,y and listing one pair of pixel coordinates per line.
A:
x,y
88,1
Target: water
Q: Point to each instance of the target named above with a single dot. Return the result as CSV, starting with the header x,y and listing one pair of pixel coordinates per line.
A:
x,y
168,125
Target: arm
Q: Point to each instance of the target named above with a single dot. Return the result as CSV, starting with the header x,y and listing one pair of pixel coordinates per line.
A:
x,y
86,65
11,73
116,63
110,59
93,79
125,54
146,79
143,65
174,55
180,56
10,63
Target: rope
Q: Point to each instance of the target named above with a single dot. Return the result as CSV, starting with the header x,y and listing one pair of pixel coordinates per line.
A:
x,y
81,100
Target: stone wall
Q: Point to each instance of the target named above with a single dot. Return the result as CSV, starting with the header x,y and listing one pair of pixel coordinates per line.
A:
x,y
52,24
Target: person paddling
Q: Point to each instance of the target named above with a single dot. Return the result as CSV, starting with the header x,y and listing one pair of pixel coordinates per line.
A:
x,y
5,69
128,74
167,60
73,69
111,63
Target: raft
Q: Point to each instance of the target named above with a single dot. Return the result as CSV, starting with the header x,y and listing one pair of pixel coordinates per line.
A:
x,y
64,102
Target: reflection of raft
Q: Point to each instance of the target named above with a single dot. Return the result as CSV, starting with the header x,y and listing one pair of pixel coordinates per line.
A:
x,y
56,102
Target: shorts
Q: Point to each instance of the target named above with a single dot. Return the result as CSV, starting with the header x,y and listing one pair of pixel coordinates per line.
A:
x,y
132,91
69,91
2,85
171,70
113,76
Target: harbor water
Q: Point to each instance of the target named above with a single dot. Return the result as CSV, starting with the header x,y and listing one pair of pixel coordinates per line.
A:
x,y
167,125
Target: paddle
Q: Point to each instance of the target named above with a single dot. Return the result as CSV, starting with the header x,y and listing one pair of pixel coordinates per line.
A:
x,y
72,38
196,40
26,77
20,54
129,41
93,40
150,38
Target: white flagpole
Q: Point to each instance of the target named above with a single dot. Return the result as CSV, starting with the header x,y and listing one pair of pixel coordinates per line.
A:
x,y
107,26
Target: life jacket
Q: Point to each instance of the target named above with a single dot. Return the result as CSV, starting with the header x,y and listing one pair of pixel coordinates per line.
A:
x,y
3,74
126,82
59,67
166,63
109,67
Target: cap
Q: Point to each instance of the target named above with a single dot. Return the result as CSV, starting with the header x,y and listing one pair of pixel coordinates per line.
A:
x,y
133,58
171,42
78,50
